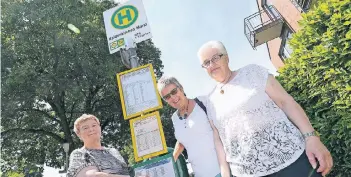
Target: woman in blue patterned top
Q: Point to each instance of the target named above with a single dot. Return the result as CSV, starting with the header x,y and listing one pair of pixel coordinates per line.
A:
x,y
94,160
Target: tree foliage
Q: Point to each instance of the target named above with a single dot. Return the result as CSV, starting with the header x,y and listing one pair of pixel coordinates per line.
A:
x,y
51,75
318,76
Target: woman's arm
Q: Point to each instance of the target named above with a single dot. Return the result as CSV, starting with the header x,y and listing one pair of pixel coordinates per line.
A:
x,y
178,149
224,167
92,171
103,174
95,173
314,147
287,103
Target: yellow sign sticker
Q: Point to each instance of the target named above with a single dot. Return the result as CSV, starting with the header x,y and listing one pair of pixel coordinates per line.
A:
x,y
117,44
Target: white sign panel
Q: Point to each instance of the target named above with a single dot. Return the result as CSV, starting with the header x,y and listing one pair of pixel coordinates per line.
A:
x,y
139,92
147,136
162,168
126,20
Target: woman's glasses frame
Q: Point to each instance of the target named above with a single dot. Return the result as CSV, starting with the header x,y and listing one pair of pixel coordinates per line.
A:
x,y
172,92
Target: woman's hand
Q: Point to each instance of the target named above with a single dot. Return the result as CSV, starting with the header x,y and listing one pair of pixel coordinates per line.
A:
x,y
101,174
315,149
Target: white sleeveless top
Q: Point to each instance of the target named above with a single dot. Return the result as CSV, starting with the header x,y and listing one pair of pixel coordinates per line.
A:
x,y
257,136
196,134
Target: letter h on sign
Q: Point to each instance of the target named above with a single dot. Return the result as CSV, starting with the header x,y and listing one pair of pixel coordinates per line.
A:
x,y
127,15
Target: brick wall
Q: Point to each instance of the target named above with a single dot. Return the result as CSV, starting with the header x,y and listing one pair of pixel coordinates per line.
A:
x,y
291,15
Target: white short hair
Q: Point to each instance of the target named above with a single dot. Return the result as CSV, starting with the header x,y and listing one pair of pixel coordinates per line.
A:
x,y
164,81
212,44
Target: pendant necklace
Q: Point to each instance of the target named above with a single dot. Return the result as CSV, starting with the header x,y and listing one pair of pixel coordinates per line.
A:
x,y
185,114
230,75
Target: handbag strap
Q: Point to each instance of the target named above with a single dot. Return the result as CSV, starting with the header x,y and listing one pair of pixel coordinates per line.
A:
x,y
202,106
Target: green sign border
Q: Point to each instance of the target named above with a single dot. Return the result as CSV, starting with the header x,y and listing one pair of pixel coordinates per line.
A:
x,y
148,162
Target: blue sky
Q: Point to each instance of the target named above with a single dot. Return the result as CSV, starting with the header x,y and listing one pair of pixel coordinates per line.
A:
x,y
180,27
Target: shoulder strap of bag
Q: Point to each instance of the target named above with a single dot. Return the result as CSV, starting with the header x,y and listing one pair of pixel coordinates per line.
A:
x,y
202,106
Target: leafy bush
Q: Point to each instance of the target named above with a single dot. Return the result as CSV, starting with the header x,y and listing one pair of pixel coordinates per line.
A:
x,y
318,76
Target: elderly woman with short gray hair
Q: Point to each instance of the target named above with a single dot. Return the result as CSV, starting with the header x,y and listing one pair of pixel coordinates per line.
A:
x,y
93,159
193,131
264,131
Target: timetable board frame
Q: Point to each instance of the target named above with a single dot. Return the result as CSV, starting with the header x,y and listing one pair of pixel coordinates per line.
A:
x,y
136,83
150,120
155,163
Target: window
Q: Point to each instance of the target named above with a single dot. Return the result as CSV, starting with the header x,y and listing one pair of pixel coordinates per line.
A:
x,y
263,2
285,50
303,5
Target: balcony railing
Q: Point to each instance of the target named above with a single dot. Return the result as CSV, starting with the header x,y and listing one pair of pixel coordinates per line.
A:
x,y
263,26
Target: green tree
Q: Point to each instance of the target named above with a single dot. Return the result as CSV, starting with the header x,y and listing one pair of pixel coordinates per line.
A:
x,y
166,114
318,76
51,75
14,174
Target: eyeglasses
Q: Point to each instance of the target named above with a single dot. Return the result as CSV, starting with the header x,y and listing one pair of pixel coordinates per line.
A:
x,y
214,59
172,92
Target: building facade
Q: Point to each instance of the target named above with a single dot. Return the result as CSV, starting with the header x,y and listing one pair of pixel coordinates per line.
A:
x,y
274,25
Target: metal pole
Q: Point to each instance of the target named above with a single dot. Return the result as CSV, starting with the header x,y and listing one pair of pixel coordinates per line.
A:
x,y
67,161
65,146
129,55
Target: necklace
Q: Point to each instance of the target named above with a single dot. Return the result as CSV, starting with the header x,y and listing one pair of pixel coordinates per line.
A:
x,y
225,82
185,114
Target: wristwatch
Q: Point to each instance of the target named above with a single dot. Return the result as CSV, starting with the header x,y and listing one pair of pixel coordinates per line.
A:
x,y
308,134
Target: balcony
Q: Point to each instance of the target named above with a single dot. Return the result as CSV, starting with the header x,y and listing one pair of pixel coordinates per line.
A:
x,y
260,31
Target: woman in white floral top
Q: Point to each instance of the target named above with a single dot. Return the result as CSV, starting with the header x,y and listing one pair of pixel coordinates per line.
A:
x,y
263,130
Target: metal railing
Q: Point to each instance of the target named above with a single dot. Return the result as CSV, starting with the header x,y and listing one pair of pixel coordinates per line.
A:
x,y
255,22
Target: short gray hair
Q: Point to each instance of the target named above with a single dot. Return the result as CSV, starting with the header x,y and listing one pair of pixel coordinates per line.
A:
x,y
212,44
164,81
